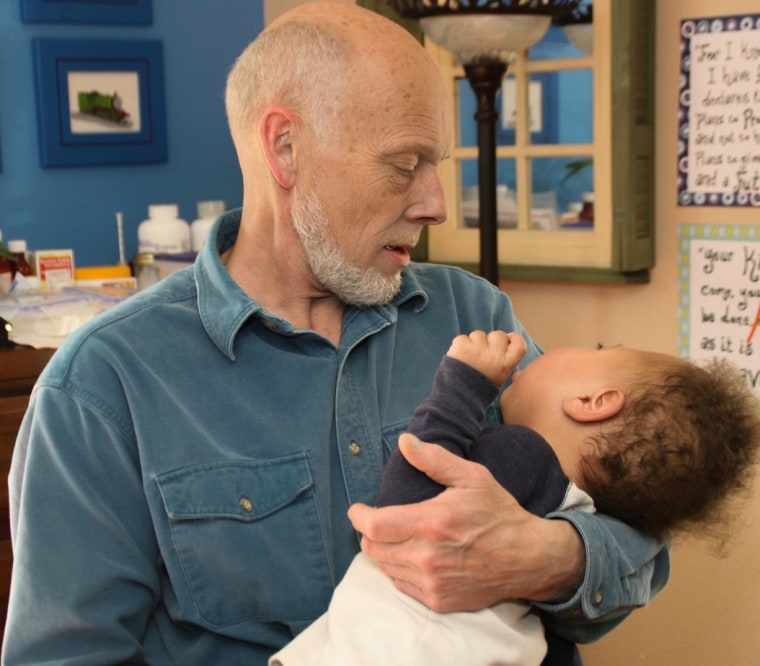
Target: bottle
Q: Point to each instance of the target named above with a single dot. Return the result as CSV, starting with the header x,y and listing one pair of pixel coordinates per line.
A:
x,y
145,270
18,247
573,210
163,232
208,211
587,212
6,268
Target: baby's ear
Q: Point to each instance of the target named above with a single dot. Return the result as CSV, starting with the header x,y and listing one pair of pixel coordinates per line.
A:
x,y
598,406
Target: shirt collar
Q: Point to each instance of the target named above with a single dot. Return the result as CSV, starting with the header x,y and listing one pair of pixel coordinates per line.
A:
x,y
223,305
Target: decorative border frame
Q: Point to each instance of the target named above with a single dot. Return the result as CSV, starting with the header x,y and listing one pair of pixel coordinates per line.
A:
x,y
688,29
718,304
695,232
64,139
128,12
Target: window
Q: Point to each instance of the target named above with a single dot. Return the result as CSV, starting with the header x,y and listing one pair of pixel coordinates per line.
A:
x,y
570,124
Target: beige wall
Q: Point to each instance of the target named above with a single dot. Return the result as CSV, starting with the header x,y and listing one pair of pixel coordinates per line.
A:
x,y
708,615
273,8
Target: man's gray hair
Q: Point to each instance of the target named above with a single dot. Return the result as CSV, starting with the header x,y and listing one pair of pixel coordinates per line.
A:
x,y
297,65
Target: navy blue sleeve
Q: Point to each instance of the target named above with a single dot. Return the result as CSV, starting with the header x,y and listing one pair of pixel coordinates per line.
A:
x,y
449,416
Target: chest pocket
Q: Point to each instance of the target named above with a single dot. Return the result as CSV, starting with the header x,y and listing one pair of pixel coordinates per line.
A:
x,y
246,540
390,435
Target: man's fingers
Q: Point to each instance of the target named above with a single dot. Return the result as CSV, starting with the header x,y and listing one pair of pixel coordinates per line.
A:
x,y
389,524
396,524
439,464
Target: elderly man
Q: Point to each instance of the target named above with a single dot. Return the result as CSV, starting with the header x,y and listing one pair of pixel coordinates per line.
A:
x,y
195,500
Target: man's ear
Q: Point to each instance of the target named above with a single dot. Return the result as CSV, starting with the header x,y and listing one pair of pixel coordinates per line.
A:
x,y
598,406
275,135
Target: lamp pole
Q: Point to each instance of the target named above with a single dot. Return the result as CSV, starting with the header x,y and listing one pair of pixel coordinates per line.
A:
x,y
485,79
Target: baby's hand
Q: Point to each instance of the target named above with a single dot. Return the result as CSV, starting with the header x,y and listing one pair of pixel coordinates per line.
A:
x,y
495,354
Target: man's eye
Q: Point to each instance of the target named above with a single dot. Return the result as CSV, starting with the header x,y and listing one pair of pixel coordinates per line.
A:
x,y
407,165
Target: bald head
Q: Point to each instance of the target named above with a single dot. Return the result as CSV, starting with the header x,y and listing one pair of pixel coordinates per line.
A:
x,y
319,60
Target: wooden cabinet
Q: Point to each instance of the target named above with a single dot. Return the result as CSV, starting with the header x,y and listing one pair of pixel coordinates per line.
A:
x,y
19,368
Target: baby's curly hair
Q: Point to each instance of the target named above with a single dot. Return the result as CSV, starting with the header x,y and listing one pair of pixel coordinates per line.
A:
x,y
680,450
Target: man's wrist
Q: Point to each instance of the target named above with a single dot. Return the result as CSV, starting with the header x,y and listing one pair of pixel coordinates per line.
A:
x,y
566,569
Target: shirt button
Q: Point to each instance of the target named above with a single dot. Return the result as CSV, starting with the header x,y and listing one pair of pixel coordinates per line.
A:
x,y
246,504
354,448
598,598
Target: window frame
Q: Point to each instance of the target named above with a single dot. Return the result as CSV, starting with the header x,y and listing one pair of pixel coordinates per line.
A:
x,y
620,248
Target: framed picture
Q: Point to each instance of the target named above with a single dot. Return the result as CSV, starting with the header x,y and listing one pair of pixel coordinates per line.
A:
x,y
99,102
133,12
718,137
542,105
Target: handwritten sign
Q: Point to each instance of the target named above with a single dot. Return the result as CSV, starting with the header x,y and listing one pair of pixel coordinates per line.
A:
x,y
719,112
720,296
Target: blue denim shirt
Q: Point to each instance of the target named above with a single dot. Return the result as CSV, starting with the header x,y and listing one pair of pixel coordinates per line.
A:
x,y
180,482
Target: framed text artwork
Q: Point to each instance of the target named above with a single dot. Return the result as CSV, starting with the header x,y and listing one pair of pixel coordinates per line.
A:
x,y
132,12
719,112
99,102
719,304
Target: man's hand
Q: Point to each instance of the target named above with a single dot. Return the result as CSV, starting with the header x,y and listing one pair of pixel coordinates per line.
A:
x,y
495,354
471,546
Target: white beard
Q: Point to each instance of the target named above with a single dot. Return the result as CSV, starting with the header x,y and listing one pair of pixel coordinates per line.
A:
x,y
348,282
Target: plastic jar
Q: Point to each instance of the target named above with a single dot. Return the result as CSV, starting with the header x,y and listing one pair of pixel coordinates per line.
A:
x,y
18,247
208,211
587,212
145,270
164,231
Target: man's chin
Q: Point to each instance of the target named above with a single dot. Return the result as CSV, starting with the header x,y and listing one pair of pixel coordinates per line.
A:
x,y
371,290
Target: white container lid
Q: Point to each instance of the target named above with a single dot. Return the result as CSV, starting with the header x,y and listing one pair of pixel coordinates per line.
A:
x,y
212,208
163,211
17,246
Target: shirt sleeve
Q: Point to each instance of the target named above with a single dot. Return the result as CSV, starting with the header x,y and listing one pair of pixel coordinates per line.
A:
x,y
85,557
625,569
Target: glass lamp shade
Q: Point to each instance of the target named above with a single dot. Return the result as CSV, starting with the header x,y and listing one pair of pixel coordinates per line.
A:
x,y
581,36
482,37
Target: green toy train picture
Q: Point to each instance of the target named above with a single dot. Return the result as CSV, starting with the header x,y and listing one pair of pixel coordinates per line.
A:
x,y
103,106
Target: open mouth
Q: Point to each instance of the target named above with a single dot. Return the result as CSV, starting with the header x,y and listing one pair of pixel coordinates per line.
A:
x,y
399,253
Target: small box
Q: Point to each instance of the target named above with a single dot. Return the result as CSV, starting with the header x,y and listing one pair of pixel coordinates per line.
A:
x,y
54,268
105,277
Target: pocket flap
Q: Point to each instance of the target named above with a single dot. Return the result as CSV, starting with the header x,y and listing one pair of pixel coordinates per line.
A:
x,y
241,489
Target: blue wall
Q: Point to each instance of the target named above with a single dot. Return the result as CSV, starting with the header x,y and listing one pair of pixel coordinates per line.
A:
x,y
74,207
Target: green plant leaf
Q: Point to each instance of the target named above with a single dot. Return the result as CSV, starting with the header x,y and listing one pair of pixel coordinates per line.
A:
x,y
575,166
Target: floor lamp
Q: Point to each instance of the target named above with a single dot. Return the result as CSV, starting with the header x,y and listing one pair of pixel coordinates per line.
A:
x,y
484,36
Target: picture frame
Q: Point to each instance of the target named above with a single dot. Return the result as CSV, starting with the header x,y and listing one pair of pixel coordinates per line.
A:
x,y
717,145
99,101
542,105
113,12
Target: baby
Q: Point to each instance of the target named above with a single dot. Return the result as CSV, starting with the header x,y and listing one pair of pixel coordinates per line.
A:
x,y
655,440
